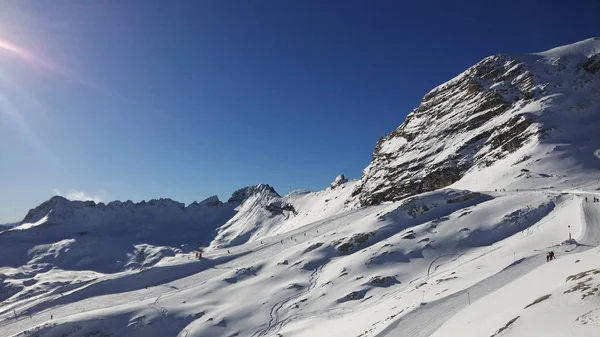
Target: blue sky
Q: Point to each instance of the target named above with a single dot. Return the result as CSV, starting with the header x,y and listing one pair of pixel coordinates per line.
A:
x,y
145,99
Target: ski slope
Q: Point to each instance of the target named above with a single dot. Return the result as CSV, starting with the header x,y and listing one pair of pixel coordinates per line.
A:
x,y
428,318
298,288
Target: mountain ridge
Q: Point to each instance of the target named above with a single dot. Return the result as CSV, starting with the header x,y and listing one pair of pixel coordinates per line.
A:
x,y
482,116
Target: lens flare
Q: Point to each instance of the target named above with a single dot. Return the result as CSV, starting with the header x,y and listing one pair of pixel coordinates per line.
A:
x,y
45,64
29,57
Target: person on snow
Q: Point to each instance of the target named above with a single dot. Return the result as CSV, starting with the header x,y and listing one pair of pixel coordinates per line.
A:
x,y
552,257
548,257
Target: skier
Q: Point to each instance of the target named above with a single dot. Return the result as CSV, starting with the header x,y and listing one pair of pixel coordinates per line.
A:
x,y
552,257
227,251
585,199
548,257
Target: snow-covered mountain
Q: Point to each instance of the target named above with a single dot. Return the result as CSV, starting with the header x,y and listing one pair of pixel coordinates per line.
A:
x,y
267,214
504,114
446,233
109,237
83,235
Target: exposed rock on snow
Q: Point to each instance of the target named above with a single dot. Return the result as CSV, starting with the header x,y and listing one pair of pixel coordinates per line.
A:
x,y
211,201
355,241
480,117
339,180
385,281
246,192
507,326
279,207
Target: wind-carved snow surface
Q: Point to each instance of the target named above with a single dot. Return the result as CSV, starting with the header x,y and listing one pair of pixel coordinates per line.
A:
x,y
465,260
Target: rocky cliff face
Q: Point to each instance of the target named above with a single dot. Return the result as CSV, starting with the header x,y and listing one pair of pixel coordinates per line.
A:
x,y
481,116
247,192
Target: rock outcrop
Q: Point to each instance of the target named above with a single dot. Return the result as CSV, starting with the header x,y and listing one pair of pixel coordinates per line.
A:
x,y
339,180
246,192
478,118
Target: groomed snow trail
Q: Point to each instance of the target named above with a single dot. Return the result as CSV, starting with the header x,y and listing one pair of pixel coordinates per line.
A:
x,y
591,217
426,319
241,256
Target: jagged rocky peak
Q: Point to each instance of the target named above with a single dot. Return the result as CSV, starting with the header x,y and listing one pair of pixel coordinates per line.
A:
x,y
476,119
212,201
339,180
244,193
164,203
60,206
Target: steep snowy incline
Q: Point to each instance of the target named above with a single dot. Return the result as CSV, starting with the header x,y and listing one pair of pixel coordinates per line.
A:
x,y
356,271
266,215
510,121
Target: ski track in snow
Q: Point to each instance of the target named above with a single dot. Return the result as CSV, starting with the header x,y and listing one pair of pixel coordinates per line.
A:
x,y
429,317
422,321
275,322
248,254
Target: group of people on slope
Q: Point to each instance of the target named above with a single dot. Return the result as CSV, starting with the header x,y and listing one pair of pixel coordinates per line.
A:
x,y
550,256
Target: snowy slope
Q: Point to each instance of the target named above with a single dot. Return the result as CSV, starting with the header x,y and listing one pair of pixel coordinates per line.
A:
x,y
125,235
450,240
362,271
265,215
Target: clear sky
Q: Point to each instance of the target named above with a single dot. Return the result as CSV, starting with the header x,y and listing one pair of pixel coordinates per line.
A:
x,y
143,99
